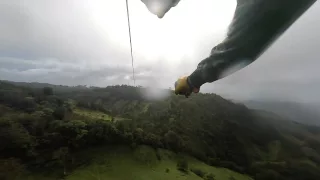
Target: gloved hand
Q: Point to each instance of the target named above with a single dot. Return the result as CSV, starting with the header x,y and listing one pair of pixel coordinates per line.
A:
x,y
184,87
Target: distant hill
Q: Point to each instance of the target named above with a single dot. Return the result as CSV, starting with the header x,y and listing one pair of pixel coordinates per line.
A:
x,y
299,112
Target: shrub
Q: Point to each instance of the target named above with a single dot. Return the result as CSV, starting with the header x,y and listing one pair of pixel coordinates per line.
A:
x,y
231,165
210,177
145,155
198,172
167,170
182,166
158,155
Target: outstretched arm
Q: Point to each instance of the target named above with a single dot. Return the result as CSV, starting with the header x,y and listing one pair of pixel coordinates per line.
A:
x,y
256,24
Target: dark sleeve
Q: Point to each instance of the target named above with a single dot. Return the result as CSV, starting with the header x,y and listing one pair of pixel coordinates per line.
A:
x,y
255,25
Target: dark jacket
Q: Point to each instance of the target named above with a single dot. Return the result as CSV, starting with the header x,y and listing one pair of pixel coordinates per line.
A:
x,y
255,25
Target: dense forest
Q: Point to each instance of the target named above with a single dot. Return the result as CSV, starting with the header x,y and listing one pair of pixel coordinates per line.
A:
x,y
45,126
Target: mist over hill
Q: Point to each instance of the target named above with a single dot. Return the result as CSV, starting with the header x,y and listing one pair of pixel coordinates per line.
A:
x,y
307,113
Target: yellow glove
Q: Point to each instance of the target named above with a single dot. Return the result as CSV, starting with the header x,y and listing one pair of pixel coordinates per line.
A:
x,y
184,87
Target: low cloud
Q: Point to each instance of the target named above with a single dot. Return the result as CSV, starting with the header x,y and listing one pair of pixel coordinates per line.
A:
x,y
81,42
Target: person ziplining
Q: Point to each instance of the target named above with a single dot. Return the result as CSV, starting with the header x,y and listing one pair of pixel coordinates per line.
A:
x,y
256,24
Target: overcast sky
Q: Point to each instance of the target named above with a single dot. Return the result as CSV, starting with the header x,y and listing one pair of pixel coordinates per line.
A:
x,y
86,42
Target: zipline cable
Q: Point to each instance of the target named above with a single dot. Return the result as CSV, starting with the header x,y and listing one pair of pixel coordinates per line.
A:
x,y
128,17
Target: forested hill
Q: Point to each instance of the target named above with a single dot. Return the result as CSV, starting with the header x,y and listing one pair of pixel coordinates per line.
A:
x,y
42,121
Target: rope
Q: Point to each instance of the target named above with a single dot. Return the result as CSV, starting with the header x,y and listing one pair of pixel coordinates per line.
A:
x,y
128,17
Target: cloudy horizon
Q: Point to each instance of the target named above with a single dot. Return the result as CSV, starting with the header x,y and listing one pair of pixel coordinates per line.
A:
x,y
86,43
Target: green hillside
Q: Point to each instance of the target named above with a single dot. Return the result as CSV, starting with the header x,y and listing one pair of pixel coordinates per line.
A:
x,y
65,130
143,162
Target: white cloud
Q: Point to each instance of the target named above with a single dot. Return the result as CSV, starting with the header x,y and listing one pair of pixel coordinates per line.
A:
x,y
86,42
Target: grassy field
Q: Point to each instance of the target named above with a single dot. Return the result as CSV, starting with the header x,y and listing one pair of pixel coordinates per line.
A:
x,y
96,114
143,164
92,114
